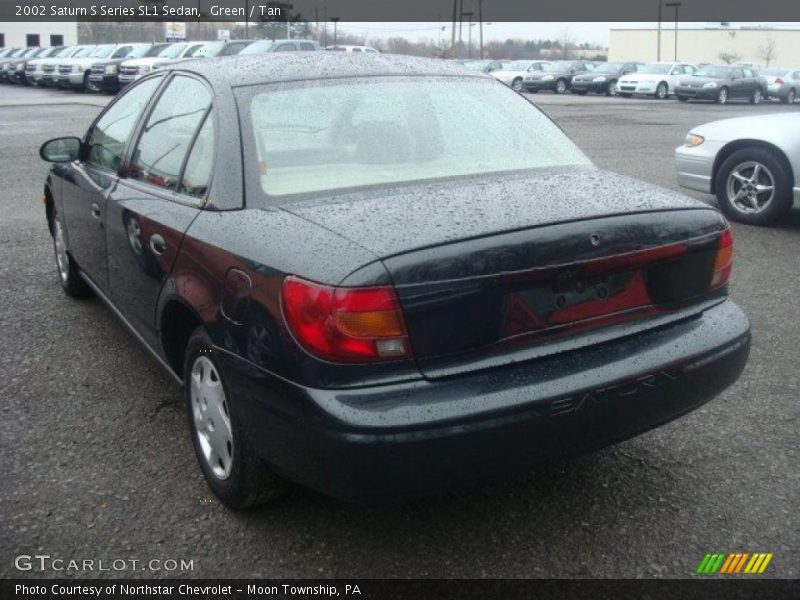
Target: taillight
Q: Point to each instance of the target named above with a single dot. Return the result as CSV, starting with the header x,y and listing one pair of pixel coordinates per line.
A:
x,y
724,260
344,324
779,81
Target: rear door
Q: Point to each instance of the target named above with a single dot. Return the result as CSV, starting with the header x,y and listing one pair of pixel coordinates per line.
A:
x,y
163,189
89,181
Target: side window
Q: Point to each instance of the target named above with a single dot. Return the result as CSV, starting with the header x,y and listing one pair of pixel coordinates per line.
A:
x,y
285,47
737,74
749,73
122,52
308,46
677,70
197,174
169,131
109,136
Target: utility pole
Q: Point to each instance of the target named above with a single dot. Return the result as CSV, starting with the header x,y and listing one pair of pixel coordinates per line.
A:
x,y
469,34
453,32
335,21
658,43
675,5
480,20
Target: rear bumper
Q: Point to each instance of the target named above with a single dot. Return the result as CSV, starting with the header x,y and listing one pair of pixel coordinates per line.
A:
x,y
417,437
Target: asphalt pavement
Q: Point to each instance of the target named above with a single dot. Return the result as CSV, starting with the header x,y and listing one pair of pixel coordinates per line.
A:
x,y
96,461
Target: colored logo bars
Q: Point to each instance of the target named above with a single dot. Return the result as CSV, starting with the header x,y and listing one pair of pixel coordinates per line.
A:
x,y
734,563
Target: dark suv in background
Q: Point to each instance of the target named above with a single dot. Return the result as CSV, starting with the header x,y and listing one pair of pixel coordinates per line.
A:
x,y
104,76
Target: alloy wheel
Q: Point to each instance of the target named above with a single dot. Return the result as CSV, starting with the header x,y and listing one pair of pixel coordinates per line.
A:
x,y
750,187
517,85
212,420
612,88
757,96
561,86
723,96
661,91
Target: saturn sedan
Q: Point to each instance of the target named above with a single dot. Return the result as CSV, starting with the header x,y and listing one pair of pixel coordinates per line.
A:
x,y
361,294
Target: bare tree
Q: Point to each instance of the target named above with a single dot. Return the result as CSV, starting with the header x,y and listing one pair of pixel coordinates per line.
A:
x,y
566,45
767,52
729,57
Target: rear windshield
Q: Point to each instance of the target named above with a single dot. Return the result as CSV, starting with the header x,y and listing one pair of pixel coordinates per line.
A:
x,y
325,135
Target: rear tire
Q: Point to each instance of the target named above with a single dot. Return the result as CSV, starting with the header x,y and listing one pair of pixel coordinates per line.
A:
x,y
722,96
791,97
772,171
516,85
662,91
757,96
235,473
68,274
561,86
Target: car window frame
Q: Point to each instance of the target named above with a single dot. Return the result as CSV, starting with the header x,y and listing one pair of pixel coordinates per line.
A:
x,y
151,188
126,150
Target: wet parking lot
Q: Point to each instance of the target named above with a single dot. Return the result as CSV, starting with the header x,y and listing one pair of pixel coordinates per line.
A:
x,y
96,461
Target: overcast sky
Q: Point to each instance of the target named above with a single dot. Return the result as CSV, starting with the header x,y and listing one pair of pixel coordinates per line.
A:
x,y
593,33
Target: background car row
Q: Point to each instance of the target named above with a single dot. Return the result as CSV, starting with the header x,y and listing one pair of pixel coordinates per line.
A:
x,y
660,80
110,67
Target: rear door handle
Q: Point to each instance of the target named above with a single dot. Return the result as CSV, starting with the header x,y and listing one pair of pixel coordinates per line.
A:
x,y
157,244
95,210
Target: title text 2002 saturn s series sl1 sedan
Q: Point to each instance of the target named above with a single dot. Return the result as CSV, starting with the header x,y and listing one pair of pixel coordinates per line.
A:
x,y
380,275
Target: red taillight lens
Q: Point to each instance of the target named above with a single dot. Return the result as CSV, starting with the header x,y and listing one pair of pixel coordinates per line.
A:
x,y
724,261
779,81
345,324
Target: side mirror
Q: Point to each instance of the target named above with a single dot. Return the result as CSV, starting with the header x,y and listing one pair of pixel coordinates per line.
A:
x,y
58,150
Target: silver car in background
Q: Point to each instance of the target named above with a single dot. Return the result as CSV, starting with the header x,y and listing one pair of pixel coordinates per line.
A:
x,y
783,84
514,72
752,165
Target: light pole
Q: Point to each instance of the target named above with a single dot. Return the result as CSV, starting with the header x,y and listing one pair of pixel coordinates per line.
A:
x,y
335,21
480,20
675,5
469,36
658,37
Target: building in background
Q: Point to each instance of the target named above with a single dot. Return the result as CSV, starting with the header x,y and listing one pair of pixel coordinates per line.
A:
x,y
38,33
758,45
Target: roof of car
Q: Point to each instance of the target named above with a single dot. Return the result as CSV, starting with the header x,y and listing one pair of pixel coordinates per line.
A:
x,y
298,66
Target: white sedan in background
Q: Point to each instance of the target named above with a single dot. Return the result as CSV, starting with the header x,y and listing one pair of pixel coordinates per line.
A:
x,y
752,164
514,72
657,79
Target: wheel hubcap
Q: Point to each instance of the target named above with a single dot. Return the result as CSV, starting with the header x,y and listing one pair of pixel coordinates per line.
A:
x,y
212,421
62,258
560,87
517,85
750,187
662,91
723,96
612,88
